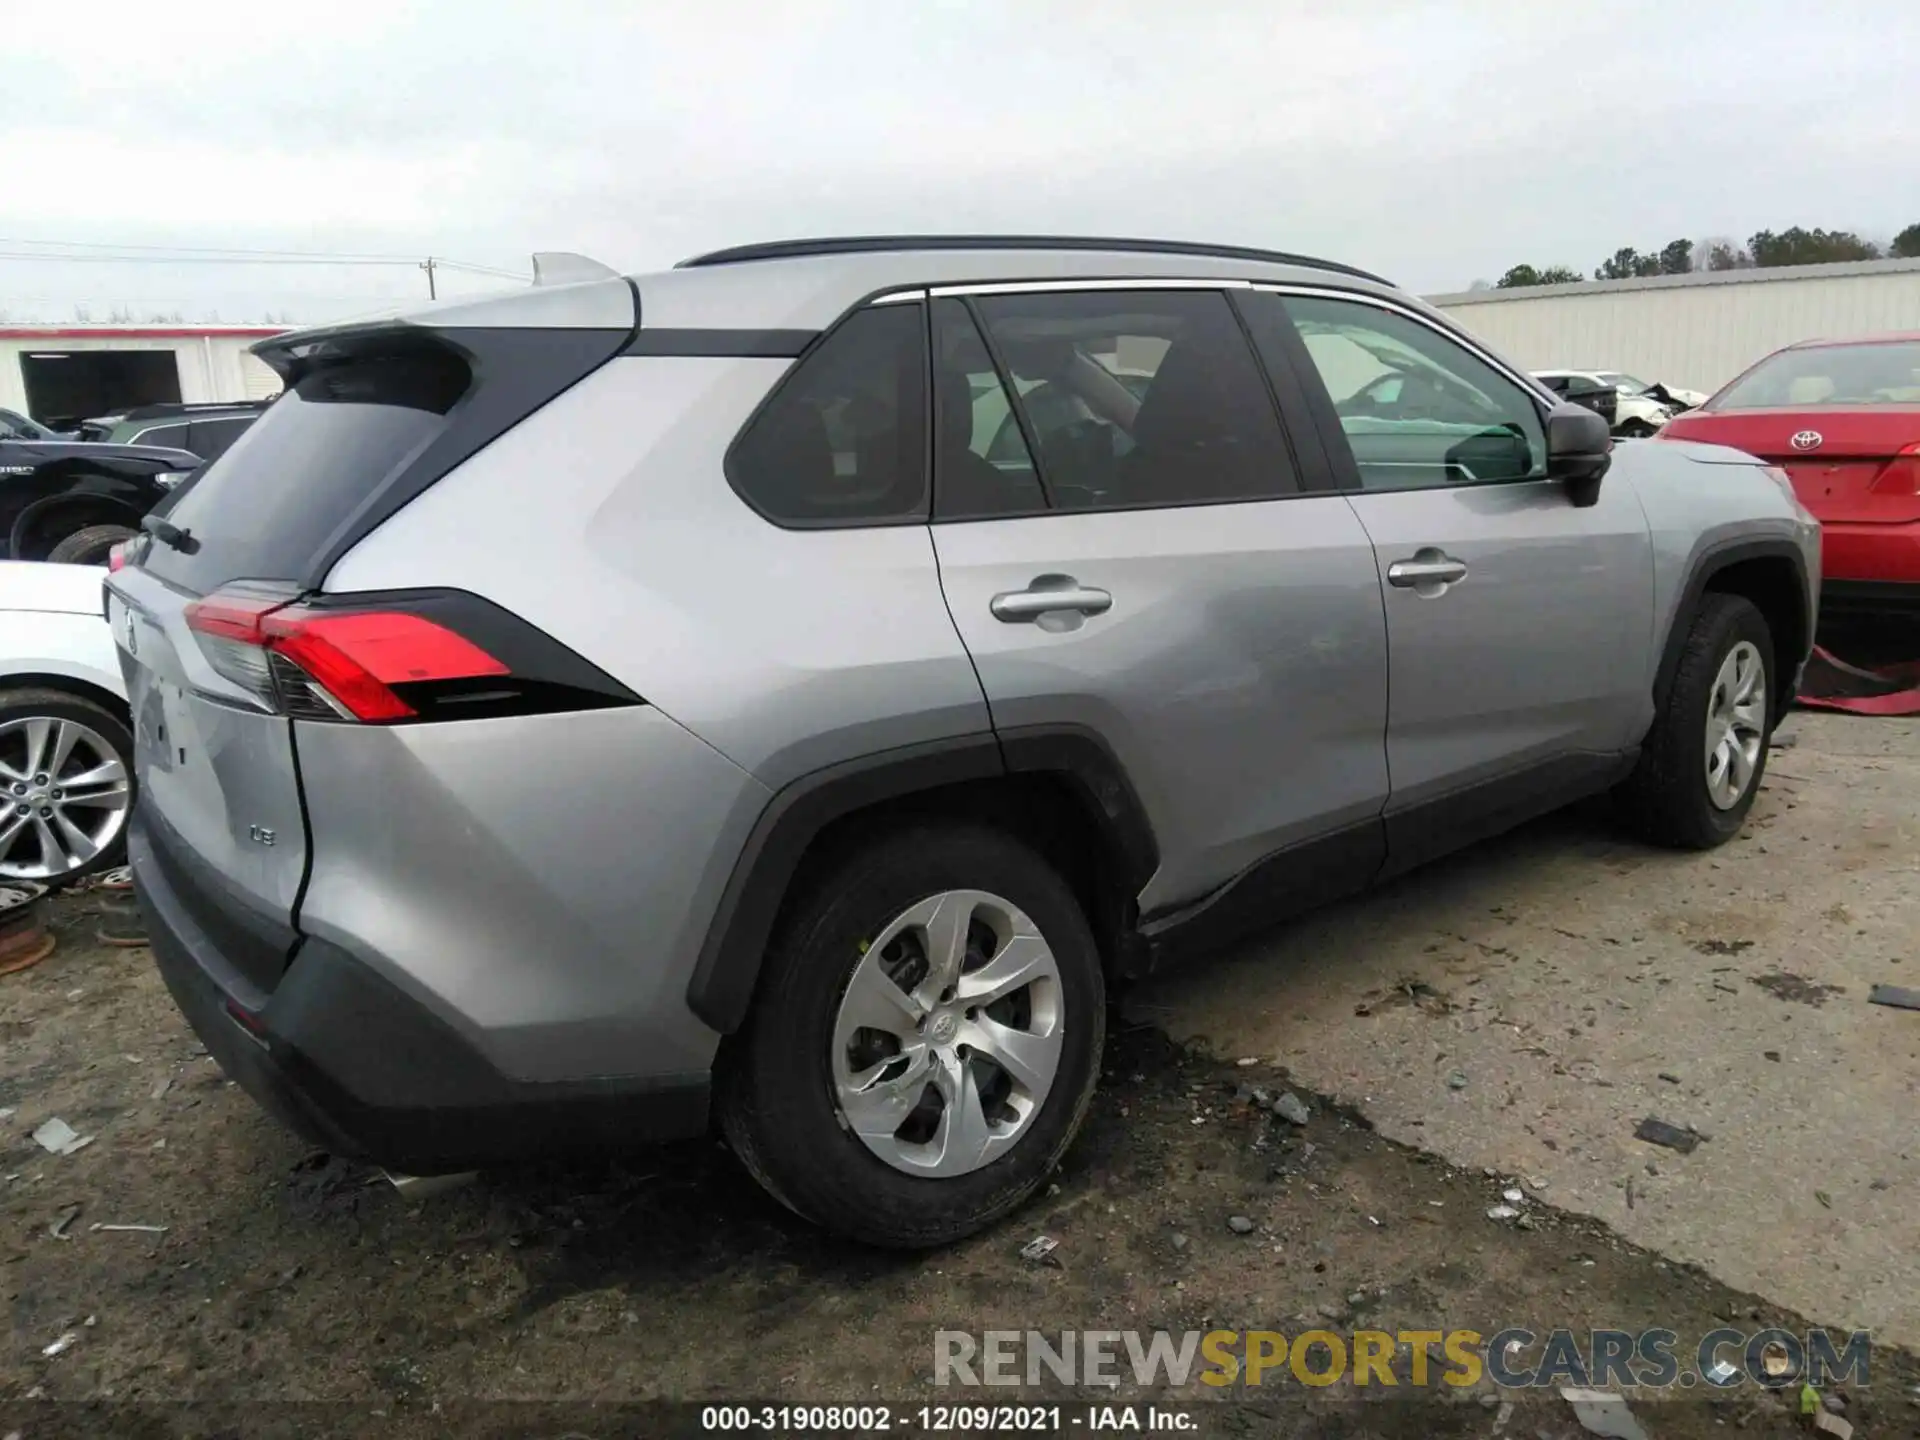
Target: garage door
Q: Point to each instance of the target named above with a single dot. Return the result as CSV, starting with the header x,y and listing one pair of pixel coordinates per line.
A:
x,y
258,378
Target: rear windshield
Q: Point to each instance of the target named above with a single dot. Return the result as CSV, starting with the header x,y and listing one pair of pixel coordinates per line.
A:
x,y
275,498
1887,374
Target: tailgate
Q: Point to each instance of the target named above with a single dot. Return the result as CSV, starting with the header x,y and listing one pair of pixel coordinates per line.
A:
x,y
1879,491
219,790
1856,466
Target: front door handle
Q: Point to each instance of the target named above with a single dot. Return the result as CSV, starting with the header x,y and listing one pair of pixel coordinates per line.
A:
x,y
1429,570
1049,594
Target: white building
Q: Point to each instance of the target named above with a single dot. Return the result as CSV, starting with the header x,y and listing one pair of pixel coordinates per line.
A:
x,y
64,373
1696,331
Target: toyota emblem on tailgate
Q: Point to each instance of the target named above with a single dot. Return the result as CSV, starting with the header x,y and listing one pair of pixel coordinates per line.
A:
x,y
1806,440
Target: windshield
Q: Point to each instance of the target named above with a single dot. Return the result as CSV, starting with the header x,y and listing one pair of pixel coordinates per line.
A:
x,y
1625,384
16,426
1873,374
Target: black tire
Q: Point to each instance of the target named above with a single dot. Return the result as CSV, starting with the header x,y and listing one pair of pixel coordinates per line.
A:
x,y
1666,797
777,1104
1634,430
29,703
90,545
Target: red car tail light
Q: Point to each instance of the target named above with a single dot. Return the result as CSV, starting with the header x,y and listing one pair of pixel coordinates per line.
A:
x,y
390,661
1900,475
117,557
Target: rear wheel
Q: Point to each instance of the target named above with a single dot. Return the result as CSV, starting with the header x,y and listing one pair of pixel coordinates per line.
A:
x,y
1703,760
925,1041
66,786
89,546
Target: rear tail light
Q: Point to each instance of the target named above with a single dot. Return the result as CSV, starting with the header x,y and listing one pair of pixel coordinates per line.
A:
x,y
117,556
1900,475
385,663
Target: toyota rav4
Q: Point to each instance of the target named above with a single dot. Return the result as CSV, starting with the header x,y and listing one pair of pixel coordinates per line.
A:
x,y
790,690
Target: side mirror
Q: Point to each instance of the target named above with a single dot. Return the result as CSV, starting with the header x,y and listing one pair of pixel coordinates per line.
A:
x,y
1579,450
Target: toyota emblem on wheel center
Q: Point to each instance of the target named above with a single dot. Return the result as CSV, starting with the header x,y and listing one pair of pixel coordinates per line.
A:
x,y
1807,440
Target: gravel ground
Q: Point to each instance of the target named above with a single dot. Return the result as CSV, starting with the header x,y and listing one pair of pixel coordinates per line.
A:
x,y
1529,1003
291,1294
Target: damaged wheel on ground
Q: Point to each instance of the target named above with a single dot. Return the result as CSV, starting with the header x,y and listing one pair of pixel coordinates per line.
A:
x,y
925,1041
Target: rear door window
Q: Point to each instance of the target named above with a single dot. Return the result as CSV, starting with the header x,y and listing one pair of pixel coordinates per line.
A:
x,y
981,465
1140,398
296,476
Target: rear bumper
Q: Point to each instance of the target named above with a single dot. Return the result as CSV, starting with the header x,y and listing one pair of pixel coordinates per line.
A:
x,y
1858,597
1887,555
343,1057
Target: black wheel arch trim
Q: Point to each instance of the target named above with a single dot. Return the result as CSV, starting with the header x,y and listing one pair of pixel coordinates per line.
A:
x,y
110,507
1710,562
727,969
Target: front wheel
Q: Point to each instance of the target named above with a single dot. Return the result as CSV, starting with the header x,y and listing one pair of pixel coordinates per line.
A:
x,y
1702,762
925,1042
1634,430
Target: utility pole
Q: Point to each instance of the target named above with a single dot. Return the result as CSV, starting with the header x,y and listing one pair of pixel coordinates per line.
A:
x,y
433,292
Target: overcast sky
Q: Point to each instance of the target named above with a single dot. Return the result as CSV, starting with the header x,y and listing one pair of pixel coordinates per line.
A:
x,y
1436,142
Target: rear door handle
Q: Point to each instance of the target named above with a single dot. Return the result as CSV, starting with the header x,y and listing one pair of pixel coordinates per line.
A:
x,y
1047,595
1429,568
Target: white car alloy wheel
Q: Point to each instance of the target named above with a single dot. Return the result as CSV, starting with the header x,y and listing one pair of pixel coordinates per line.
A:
x,y
64,796
1736,724
949,1035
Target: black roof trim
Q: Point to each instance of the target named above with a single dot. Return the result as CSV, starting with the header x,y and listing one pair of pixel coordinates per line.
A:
x,y
866,244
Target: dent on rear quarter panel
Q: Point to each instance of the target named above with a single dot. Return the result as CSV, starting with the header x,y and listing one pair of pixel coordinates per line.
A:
x,y
543,883
607,521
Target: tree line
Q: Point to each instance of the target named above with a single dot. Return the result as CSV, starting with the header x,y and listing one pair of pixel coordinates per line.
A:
x,y
1792,246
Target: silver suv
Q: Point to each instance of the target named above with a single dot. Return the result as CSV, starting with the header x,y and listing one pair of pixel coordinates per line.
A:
x,y
791,690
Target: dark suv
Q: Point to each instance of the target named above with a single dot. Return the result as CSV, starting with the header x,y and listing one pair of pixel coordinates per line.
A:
x,y
205,429
73,500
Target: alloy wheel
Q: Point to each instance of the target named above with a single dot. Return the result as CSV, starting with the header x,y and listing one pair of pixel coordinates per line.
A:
x,y
64,797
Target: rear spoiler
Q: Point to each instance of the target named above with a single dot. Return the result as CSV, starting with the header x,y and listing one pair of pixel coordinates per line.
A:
x,y
563,267
294,353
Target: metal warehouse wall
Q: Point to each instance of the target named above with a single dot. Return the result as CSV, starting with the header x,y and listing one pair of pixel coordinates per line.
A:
x,y
1695,331
213,365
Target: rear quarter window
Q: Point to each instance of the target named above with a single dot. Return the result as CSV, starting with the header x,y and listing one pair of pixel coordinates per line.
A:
x,y
842,441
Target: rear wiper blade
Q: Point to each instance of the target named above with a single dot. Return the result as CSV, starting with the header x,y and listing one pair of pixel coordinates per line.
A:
x,y
169,534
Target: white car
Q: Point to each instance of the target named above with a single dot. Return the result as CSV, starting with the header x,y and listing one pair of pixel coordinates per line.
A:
x,y
1672,396
1638,414
66,747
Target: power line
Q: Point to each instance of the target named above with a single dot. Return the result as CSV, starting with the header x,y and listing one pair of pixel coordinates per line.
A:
x,y
212,250
482,269
248,260
186,259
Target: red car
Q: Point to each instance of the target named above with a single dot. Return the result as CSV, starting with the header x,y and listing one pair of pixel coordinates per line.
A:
x,y
1842,418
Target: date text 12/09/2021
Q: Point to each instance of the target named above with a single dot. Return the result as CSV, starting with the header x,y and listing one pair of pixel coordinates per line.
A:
x,y
945,1419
